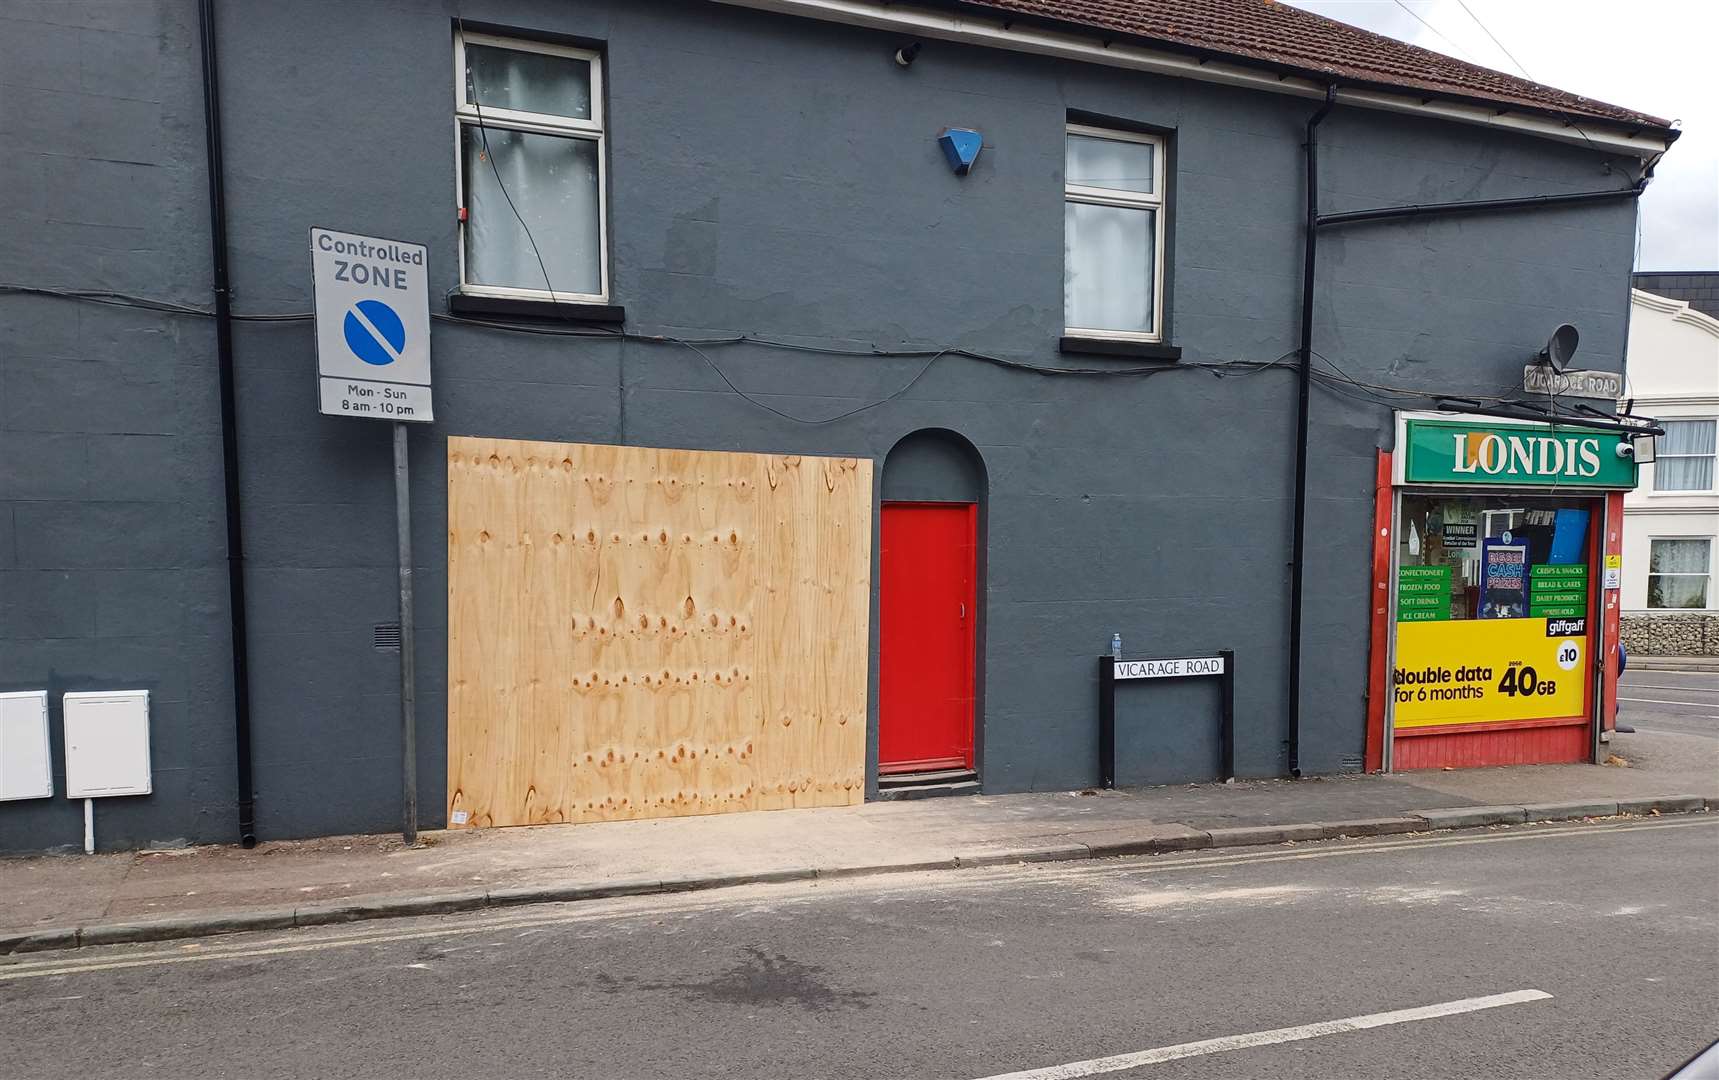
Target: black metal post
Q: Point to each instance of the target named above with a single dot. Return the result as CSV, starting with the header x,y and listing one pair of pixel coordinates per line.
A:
x,y
1107,722
1227,732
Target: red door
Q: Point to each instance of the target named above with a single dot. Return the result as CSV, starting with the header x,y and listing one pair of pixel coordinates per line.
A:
x,y
925,699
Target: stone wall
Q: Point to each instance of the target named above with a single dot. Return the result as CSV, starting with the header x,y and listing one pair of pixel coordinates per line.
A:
x,y
1671,633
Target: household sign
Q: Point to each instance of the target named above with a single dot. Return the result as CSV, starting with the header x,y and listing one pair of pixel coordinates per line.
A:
x,y
372,326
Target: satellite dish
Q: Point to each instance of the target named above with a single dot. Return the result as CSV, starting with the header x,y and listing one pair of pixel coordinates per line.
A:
x,y
1560,347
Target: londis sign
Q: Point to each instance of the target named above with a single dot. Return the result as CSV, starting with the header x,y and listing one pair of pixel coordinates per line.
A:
x,y
1456,450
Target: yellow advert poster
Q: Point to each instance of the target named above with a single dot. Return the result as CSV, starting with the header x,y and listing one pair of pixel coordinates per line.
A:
x,y
1472,671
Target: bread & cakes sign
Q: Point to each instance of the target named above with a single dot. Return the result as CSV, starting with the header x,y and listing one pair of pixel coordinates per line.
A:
x,y
1454,450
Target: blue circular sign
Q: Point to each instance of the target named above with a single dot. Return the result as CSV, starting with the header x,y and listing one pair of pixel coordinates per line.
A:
x,y
374,332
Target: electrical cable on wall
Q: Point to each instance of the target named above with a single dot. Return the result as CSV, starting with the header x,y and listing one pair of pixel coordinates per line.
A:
x,y
1336,380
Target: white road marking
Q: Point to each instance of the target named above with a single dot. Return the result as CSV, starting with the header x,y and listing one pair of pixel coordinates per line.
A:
x,y
291,942
1663,701
1118,1062
1668,686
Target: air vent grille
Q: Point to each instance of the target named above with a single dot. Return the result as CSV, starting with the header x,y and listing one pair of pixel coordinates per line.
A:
x,y
387,636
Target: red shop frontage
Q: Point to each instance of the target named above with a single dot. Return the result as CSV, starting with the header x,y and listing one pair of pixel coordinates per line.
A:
x,y
1496,567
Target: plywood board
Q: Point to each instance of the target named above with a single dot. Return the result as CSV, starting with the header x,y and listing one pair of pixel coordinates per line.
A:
x,y
641,633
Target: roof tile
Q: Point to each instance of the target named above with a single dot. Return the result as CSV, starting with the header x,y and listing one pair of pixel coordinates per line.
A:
x,y
1264,30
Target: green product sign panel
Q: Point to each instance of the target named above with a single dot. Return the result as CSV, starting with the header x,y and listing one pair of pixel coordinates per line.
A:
x,y
1558,591
1518,455
1423,593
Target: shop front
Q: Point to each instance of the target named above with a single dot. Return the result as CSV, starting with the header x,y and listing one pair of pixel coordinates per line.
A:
x,y
1501,547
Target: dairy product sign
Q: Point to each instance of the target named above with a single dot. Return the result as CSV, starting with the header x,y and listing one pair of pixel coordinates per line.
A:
x,y
372,327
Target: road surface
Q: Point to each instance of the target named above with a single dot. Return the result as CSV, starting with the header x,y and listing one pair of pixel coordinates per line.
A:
x,y
1552,951
1683,702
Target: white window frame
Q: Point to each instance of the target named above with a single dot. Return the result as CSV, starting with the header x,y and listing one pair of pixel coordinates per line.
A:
x,y
539,123
1707,594
1134,200
1660,455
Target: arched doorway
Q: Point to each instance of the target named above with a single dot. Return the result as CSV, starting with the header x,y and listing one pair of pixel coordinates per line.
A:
x,y
930,572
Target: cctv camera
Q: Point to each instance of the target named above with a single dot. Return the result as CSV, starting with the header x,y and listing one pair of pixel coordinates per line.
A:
x,y
1625,450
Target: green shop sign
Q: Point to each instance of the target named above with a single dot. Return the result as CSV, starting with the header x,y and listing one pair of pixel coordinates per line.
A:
x,y
1557,592
1467,452
1423,593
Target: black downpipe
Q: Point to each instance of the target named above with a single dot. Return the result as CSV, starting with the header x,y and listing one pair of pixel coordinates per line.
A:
x,y
229,423
1304,383
1479,206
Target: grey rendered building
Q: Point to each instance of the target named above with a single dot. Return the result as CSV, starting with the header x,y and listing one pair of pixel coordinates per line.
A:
x,y
757,245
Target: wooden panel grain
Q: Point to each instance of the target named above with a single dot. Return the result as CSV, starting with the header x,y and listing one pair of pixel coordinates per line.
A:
x,y
646,633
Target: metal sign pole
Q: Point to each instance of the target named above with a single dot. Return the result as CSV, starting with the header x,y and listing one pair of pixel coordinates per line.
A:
x,y
408,695
373,363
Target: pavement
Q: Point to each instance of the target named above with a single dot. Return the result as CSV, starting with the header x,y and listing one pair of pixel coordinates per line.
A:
x,y
62,901
1572,951
1673,663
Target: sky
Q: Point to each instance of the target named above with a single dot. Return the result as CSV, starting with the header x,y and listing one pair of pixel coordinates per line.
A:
x,y
1653,56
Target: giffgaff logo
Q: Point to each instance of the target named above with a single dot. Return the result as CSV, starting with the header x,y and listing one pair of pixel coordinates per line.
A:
x,y
1566,627
1526,455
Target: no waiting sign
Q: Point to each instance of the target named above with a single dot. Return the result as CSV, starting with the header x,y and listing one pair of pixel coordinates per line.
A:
x,y
372,327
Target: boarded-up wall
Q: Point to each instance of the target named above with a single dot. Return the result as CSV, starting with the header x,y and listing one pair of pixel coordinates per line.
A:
x,y
649,633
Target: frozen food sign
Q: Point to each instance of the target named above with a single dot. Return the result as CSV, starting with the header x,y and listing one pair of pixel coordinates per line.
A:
x,y
1455,451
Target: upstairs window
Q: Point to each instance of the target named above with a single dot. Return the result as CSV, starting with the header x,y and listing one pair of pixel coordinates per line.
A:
x,y
1677,572
1683,457
1113,234
529,119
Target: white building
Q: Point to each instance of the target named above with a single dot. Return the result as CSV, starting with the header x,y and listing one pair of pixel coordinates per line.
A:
x,y
1671,521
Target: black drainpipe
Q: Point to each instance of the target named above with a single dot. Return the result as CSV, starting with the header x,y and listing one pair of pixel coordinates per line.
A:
x,y
1304,382
1315,222
229,423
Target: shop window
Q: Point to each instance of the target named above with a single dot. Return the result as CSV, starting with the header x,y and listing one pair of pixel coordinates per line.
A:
x,y
1492,557
1113,234
1677,572
529,118
1683,458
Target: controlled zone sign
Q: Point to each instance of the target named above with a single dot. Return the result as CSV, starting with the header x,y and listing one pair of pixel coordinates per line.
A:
x,y
372,327
1472,671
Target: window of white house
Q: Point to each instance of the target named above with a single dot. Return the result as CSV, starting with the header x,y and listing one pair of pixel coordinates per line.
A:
x,y
1678,570
1113,234
1683,459
529,120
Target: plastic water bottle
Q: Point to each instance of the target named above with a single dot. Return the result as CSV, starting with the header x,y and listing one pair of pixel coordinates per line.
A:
x,y
1116,646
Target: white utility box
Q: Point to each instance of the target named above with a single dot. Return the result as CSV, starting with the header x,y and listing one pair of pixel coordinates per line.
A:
x,y
26,763
107,743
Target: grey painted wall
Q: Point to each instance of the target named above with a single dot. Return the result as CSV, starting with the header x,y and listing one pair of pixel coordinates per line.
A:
x,y
768,175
